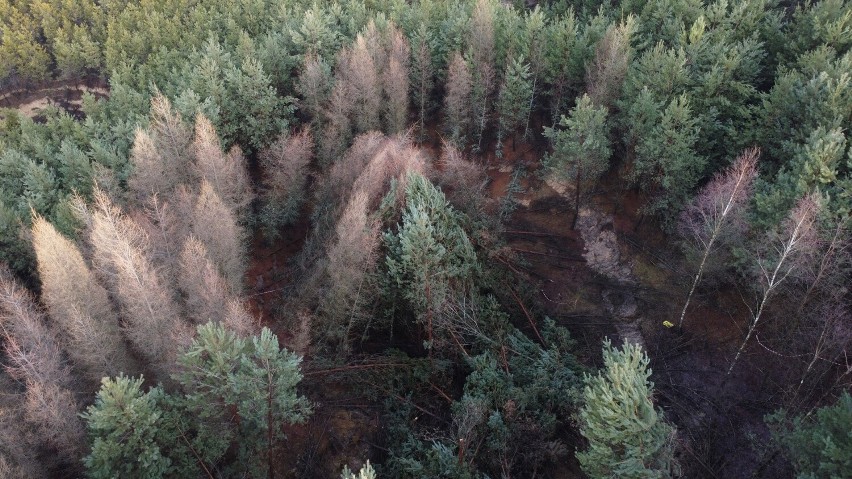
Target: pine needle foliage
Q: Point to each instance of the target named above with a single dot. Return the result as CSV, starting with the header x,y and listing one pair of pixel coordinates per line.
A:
x,y
430,257
628,437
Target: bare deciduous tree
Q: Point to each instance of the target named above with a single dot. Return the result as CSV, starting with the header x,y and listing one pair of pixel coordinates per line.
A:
x,y
240,320
172,136
18,444
205,292
215,225
32,348
152,323
395,81
358,69
716,212
462,180
481,50
314,86
226,173
35,359
79,304
422,79
285,164
166,225
54,411
338,127
481,38
351,259
606,74
160,155
779,256
457,103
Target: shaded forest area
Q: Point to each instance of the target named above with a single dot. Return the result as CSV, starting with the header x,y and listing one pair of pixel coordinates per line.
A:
x,y
426,239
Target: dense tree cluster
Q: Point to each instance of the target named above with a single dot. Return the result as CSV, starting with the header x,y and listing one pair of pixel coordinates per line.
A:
x,y
369,124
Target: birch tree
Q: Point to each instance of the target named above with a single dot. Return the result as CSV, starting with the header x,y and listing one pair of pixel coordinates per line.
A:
x,y
717,211
788,250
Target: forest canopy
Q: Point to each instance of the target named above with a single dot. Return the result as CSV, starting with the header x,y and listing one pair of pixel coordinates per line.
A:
x,y
288,239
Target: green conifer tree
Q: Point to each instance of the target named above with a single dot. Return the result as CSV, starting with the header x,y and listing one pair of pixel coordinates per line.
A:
x,y
125,425
581,149
667,164
256,377
819,446
628,437
515,98
430,257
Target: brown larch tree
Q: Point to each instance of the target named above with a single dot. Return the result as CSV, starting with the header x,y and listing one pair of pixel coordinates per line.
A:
x,y
80,305
151,317
216,226
226,173
35,359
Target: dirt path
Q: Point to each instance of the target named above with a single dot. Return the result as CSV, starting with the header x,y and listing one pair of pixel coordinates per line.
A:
x,y
65,95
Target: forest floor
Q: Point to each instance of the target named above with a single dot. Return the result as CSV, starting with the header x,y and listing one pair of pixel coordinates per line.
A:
x,y
639,283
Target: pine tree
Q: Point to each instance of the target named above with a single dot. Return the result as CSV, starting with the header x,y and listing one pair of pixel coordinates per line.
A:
x,y
581,149
667,164
127,434
430,257
515,100
628,437
79,304
260,382
253,108
818,445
